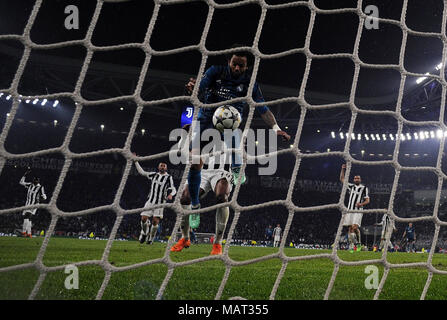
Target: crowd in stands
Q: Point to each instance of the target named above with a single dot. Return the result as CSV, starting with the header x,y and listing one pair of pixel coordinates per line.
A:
x,y
88,185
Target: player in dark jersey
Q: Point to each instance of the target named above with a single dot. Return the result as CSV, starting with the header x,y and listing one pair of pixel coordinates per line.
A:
x,y
221,83
411,237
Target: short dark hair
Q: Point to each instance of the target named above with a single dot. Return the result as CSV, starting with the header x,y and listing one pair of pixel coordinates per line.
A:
x,y
240,53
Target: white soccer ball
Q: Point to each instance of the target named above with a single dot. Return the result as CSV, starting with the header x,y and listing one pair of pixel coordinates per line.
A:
x,y
226,117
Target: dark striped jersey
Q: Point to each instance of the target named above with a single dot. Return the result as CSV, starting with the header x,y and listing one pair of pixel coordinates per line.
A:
x,y
219,85
161,185
409,232
357,194
35,192
386,222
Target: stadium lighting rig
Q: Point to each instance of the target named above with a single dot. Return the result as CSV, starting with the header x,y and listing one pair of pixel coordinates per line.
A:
x,y
34,102
422,79
421,135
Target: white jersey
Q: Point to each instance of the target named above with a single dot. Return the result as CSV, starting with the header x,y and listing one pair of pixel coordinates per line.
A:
x,y
277,232
386,223
357,194
161,185
35,192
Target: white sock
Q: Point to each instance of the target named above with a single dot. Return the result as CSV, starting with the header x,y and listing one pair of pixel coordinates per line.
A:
x,y
154,229
25,225
144,227
221,223
28,228
184,226
352,240
381,244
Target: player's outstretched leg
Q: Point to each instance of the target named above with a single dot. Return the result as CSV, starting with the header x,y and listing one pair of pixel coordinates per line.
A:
x,y
194,179
29,225
358,243
184,242
144,229
25,226
154,228
236,159
222,191
382,242
352,239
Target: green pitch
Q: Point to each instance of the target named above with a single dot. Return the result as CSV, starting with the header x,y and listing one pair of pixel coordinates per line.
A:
x,y
302,280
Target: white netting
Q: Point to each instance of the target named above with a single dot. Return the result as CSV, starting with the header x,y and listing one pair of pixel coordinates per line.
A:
x,y
299,99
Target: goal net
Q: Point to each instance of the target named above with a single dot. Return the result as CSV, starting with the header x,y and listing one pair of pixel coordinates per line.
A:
x,y
299,155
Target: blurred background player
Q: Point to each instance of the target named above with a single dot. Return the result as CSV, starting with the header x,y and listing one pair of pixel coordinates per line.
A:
x,y
277,235
162,189
221,83
411,237
387,225
269,234
358,198
35,192
219,181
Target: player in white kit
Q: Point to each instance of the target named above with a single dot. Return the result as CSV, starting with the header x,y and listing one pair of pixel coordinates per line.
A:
x,y
214,178
162,189
358,199
387,225
35,192
277,235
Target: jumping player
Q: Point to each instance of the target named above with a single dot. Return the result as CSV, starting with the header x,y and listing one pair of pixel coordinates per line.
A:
x,y
221,83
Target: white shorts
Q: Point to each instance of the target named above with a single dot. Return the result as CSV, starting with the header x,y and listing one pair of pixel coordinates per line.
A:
x,y
152,213
384,230
210,177
353,218
277,238
32,211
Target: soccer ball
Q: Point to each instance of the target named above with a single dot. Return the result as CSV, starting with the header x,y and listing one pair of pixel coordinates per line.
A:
x,y
226,117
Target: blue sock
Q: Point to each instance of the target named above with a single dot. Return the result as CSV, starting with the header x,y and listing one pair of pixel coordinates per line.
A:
x,y
235,166
194,178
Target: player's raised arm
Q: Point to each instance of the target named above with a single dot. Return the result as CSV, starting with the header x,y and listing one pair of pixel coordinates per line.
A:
x,y
342,173
42,193
22,181
367,198
207,79
141,171
172,191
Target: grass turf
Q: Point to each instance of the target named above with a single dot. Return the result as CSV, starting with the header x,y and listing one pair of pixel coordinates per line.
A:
x,y
306,279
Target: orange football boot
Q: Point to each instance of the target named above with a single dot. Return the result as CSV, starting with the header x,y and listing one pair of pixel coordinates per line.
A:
x,y
182,243
217,249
